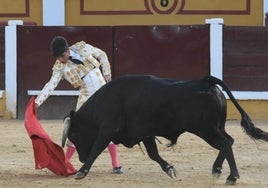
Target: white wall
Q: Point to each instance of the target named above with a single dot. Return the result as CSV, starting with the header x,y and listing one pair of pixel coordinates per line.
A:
x,y
11,66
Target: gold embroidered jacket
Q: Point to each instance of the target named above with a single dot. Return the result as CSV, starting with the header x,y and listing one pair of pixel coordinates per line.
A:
x,y
92,80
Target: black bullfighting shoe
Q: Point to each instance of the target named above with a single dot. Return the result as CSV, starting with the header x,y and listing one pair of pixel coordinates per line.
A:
x,y
118,170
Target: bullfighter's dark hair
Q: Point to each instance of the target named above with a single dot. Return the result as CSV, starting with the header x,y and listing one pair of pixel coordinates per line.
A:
x,y
58,46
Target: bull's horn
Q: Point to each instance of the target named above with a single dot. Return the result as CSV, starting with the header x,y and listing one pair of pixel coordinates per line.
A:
x,y
66,128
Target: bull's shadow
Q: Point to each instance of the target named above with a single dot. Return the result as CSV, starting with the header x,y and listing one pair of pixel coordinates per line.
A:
x,y
137,108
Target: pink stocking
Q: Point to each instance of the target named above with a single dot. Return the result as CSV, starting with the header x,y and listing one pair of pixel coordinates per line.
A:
x,y
113,153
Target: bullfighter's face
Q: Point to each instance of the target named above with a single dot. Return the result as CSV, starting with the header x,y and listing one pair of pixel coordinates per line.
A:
x,y
63,58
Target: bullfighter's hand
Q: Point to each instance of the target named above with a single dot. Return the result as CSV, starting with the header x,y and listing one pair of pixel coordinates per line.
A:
x,y
108,78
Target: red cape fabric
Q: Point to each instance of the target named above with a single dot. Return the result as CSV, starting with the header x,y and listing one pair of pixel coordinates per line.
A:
x,y
47,154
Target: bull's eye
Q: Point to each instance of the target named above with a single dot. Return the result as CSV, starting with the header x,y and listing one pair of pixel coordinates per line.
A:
x,y
73,135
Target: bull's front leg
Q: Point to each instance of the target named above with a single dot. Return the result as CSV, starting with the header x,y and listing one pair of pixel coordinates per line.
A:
x,y
96,150
84,169
152,151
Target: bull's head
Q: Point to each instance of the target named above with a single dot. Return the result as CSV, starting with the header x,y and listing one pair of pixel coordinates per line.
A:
x,y
80,133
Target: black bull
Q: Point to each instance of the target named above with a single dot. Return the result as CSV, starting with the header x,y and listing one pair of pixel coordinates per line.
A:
x,y
136,108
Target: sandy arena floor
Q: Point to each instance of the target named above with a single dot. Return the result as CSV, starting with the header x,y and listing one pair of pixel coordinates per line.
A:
x,y
192,158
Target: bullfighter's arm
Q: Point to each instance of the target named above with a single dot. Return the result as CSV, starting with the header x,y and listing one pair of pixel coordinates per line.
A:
x,y
56,77
101,56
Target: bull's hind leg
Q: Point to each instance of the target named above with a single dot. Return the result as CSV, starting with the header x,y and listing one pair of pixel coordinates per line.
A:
x,y
152,151
234,175
221,141
217,166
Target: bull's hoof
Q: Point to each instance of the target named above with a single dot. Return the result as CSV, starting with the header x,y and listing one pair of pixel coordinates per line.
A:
x,y
231,180
216,172
171,171
79,175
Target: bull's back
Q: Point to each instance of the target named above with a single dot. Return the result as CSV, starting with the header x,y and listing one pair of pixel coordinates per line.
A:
x,y
158,105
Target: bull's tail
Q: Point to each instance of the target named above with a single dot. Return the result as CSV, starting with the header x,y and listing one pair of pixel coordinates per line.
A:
x,y
246,123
